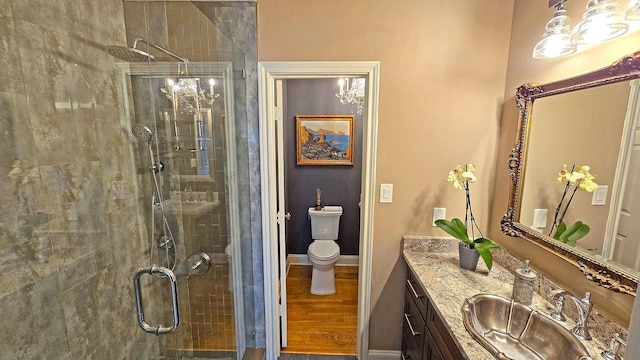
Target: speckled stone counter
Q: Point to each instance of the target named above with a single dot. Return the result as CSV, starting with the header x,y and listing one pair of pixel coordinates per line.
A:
x,y
434,261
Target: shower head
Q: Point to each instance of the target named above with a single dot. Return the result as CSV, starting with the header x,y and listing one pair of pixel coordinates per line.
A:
x,y
129,54
132,54
141,132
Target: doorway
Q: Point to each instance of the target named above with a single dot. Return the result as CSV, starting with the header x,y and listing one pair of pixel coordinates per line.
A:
x,y
273,217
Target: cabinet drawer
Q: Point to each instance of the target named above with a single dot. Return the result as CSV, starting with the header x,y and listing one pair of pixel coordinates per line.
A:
x,y
414,324
415,292
410,348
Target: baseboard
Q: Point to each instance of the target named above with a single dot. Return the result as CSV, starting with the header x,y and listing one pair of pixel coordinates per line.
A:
x,y
303,259
384,355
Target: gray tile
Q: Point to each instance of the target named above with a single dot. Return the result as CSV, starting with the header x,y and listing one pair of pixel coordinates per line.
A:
x,y
20,191
26,264
146,20
10,67
49,14
41,333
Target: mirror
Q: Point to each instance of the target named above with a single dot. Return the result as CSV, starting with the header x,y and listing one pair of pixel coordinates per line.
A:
x,y
587,120
195,122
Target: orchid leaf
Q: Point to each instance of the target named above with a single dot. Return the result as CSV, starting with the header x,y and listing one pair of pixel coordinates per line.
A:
x,y
455,228
574,233
484,247
561,229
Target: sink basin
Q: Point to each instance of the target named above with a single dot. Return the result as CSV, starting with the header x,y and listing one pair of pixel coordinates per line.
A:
x,y
192,208
513,331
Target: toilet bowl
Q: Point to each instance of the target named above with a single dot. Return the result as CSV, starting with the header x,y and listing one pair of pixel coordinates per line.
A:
x,y
323,251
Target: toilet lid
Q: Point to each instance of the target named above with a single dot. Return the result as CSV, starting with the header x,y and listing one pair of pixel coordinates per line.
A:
x,y
324,249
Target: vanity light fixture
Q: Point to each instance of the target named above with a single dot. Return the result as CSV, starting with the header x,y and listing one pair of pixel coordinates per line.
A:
x,y
601,21
556,40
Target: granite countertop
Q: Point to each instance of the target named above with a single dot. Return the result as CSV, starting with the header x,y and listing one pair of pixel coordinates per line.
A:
x,y
435,263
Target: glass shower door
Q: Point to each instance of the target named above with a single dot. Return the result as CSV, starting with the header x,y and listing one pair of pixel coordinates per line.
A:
x,y
191,201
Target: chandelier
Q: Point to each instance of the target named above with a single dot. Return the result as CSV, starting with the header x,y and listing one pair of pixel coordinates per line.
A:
x,y
187,94
352,94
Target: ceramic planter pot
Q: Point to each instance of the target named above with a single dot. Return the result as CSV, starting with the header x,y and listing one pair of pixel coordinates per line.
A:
x,y
468,256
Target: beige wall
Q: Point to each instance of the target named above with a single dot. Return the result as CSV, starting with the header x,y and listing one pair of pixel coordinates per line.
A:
x,y
443,68
528,26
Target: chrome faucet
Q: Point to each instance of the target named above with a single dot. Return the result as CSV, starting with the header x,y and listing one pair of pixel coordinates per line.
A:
x,y
558,296
584,306
614,348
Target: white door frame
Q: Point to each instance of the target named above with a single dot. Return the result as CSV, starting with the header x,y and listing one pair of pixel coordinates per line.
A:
x,y
268,72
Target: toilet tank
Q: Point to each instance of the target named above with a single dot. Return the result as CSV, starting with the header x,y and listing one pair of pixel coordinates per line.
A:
x,y
325,222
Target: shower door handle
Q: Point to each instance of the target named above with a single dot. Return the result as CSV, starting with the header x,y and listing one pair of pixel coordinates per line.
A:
x,y
288,216
159,270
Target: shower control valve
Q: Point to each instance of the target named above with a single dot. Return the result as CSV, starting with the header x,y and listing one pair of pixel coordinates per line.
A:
x,y
157,167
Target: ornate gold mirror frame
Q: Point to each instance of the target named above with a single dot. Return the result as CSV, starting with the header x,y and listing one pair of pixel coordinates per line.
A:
x,y
603,273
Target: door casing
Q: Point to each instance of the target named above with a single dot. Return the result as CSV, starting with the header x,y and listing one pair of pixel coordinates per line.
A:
x,y
268,73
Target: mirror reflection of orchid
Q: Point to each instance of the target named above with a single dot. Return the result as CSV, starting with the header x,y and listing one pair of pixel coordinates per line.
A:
x,y
460,177
579,178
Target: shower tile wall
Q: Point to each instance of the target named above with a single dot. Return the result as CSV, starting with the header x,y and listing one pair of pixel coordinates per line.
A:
x,y
69,243
237,20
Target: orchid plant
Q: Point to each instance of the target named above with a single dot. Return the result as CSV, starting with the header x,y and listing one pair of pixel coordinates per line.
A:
x,y
460,178
580,178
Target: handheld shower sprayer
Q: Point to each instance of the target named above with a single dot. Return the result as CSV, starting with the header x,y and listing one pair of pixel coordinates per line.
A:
x,y
143,133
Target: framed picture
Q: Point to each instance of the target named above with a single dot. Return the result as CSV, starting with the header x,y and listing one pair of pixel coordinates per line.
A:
x,y
324,139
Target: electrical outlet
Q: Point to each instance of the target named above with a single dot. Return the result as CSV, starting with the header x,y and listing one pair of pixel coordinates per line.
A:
x,y
438,213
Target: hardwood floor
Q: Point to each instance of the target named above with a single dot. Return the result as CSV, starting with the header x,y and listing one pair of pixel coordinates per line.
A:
x,y
322,324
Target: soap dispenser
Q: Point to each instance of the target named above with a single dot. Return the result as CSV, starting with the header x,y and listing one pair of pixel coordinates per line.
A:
x,y
523,284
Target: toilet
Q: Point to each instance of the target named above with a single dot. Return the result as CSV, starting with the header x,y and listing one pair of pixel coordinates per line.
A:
x,y
323,251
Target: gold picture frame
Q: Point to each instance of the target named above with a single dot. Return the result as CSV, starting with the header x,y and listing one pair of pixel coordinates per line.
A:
x,y
324,139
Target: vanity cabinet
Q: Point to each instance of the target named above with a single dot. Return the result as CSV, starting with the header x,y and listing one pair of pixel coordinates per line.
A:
x,y
424,334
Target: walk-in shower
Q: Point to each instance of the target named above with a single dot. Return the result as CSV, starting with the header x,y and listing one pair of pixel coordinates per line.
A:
x,y
184,124
190,123
77,182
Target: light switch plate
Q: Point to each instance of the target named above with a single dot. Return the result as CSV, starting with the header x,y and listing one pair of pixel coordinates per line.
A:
x,y
540,218
600,195
386,193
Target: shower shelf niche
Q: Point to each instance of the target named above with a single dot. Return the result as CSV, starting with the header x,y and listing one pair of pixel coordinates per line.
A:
x,y
190,208
193,178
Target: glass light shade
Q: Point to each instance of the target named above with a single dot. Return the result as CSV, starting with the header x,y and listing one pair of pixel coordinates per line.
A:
x,y
602,21
556,40
633,13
